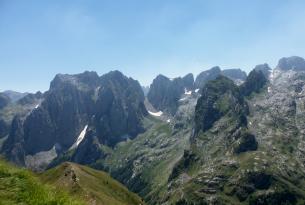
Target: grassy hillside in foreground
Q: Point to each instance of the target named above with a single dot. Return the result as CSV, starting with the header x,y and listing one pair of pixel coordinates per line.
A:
x,y
19,186
95,187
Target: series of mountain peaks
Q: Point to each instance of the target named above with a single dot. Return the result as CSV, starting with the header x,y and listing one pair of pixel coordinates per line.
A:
x,y
224,137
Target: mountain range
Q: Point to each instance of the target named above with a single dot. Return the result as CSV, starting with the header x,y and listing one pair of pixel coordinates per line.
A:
x,y
224,137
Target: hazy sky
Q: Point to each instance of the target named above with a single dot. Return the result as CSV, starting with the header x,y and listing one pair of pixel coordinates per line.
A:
x,y
142,38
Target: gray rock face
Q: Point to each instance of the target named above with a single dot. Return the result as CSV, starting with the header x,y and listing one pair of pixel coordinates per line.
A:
x,y
206,76
291,63
13,147
4,128
219,97
112,104
188,81
165,93
119,108
89,150
255,81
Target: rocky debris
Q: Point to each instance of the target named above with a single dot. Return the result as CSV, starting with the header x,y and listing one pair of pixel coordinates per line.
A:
x,y
183,164
245,143
273,197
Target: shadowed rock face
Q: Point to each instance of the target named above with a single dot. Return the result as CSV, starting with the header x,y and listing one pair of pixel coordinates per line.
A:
x,y
291,63
219,97
112,104
119,108
255,81
13,147
188,81
264,68
4,100
4,128
165,93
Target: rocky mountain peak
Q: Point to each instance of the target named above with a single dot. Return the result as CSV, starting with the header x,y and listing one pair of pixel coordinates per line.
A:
x,y
207,75
83,80
165,93
255,81
188,81
235,74
264,68
291,63
219,97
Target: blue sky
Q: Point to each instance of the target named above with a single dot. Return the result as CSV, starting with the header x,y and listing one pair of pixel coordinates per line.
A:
x,y
142,38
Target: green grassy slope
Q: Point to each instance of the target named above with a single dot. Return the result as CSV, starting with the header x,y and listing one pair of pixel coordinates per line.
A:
x,y
19,186
95,187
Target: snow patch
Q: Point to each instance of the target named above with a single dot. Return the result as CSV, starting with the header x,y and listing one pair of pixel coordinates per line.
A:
x,y
269,89
80,138
168,120
197,90
182,99
157,114
37,106
186,92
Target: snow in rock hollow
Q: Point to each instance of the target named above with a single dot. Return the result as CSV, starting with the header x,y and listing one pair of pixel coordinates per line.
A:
x,y
36,106
182,99
157,114
197,90
186,92
80,137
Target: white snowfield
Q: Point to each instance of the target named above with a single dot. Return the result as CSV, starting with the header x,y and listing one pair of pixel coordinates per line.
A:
x,y
36,106
157,114
197,90
80,138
